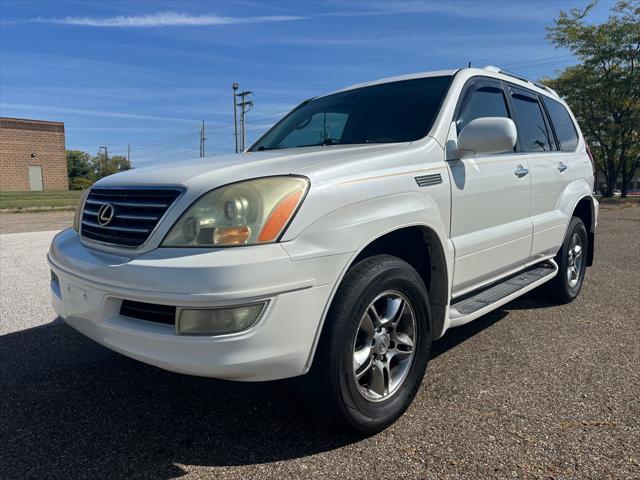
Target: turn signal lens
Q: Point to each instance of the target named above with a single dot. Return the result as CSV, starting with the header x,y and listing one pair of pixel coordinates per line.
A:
x,y
279,217
231,235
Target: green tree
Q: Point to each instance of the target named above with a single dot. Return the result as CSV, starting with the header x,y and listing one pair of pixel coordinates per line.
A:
x,y
103,166
604,89
79,169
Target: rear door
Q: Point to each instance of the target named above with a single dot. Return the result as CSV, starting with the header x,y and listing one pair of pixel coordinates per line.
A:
x,y
550,171
490,194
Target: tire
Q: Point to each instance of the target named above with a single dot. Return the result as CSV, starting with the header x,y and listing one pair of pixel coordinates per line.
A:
x,y
380,284
566,285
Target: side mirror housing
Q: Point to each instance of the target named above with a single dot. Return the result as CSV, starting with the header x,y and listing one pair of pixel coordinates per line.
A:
x,y
487,135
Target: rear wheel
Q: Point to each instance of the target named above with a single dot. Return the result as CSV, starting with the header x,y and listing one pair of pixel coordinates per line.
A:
x,y
572,262
375,345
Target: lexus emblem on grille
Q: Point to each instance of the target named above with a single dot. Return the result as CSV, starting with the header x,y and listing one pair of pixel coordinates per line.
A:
x,y
105,214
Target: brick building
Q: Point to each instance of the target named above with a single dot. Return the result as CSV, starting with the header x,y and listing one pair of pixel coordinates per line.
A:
x,y
32,155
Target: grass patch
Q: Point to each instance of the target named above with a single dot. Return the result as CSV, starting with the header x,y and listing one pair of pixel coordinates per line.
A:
x,y
39,200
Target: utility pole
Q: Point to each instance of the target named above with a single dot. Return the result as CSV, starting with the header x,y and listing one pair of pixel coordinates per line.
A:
x,y
103,160
202,139
245,105
129,154
235,114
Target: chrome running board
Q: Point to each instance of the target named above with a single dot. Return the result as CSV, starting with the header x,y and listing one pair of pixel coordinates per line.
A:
x,y
475,304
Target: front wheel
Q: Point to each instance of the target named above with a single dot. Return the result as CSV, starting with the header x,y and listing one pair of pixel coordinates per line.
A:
x,y
375,345
572,263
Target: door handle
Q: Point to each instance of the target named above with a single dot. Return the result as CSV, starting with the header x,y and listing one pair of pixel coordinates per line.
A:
x,y
521,171
562,167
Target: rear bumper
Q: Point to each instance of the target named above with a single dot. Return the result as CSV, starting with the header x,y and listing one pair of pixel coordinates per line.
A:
x,y
91,285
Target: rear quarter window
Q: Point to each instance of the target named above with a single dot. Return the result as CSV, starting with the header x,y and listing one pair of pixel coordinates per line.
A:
x,y
563,125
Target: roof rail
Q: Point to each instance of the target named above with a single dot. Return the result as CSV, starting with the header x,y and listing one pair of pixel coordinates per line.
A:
x,y
493,68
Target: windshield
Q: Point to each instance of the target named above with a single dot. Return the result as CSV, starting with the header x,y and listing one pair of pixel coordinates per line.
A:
x,y
390,112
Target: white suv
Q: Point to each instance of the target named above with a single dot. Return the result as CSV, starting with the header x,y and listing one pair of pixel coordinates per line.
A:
x,y
356,231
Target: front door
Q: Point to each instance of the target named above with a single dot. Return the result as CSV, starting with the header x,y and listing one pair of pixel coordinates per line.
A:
x,y
490,221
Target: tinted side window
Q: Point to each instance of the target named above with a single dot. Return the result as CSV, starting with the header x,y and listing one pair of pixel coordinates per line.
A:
x,y
532,131
482,102
562,124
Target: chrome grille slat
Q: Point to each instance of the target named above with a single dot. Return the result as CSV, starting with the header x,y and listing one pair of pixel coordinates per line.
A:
x,y
127,204
117,229
139,217
137,212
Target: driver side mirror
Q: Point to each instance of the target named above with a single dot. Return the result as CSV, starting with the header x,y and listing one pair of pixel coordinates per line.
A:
x,y
487,135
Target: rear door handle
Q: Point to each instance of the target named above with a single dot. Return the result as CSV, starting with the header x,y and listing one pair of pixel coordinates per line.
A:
x,y
521,171
562,167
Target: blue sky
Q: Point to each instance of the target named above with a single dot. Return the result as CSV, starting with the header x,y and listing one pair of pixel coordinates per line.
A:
x,y
146,73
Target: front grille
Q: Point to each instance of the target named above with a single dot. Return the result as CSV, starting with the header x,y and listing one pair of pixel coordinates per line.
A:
x,y
150,312
133,215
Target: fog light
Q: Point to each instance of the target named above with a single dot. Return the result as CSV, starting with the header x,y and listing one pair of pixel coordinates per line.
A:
x,y
218,321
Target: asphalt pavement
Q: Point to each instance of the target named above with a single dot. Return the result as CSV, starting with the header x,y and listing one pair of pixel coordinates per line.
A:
x,y
531,390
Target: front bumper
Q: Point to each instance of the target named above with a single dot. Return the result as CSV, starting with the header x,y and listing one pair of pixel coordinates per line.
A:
x,y
90,286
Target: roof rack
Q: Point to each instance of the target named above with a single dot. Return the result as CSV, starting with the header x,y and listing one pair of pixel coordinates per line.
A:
x,y
493,68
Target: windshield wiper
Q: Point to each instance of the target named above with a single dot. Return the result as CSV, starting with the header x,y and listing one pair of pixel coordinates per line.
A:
x,y
263,148
326,141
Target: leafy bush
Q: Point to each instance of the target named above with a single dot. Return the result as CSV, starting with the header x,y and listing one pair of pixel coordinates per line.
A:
x,y
80,183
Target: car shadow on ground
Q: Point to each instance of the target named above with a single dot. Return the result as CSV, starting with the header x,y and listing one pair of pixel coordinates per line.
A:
x,y
71,408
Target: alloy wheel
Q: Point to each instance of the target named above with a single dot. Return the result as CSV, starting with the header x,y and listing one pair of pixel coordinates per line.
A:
x,y
383,349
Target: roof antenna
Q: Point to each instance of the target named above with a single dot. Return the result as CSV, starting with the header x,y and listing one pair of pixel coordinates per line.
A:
x,y
469,66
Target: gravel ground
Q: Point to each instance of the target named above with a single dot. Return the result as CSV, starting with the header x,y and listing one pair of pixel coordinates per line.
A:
x,y
24,282
529,391
34,222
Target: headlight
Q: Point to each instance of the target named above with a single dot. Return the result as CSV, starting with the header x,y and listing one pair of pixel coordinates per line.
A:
x,y
78,215
244,213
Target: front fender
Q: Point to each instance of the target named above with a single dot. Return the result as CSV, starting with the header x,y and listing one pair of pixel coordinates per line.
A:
x,y
351,228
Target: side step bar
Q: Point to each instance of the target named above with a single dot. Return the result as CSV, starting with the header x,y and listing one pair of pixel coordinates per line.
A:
x,y
475,304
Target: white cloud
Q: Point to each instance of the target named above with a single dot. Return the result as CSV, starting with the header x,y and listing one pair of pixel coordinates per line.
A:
x,y
493,9
163,19
43,109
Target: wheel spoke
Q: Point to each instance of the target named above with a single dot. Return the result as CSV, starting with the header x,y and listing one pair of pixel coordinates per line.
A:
x,y
372,313
574,272
363,364
367,326
404,342
393,311
379,378
360,357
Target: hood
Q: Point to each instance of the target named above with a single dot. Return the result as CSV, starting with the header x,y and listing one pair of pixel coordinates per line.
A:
x,y
213,171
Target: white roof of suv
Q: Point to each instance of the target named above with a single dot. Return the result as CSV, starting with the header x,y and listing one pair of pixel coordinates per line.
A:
x,y
489,69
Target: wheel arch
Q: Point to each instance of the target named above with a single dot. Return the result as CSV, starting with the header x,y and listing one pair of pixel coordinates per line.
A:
x,y
577,200
420,247
585,211
436,271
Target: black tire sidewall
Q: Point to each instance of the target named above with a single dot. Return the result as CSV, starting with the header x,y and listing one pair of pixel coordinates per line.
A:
x,y
391,274
576,226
